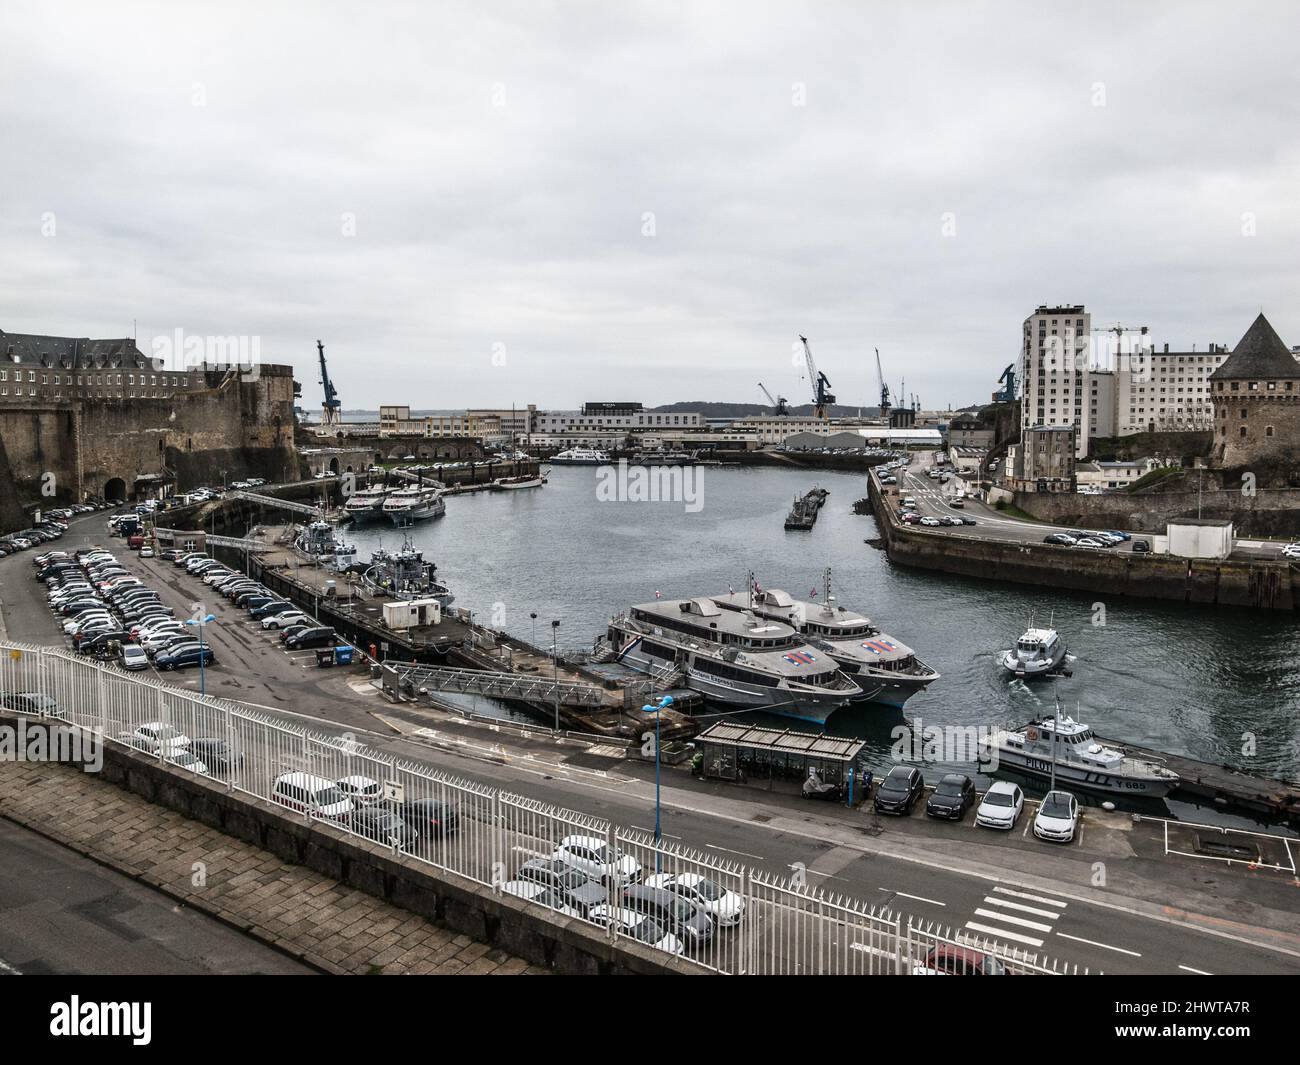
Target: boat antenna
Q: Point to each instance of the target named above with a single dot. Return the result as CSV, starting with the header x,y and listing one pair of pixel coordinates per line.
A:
x,y
828,599
751,589
1056,721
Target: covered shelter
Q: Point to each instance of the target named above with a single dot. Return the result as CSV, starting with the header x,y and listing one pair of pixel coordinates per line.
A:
x,y
746,753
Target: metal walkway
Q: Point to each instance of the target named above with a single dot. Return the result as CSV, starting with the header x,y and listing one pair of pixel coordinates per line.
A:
x,y
273,501
238,543
517,686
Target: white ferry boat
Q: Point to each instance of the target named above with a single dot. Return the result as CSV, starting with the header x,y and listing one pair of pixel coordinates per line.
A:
x,y
581,456
366,505
730,657
409,505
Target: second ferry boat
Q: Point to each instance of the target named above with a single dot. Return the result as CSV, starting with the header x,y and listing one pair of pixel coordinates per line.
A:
x,y
731,657
409,505
886,669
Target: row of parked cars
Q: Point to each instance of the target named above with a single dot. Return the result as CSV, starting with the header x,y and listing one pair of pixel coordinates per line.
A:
x,y
53,524
1000,807
109,612
1095,538
297,629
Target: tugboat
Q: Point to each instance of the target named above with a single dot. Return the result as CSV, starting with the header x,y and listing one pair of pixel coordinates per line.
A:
x,y
1070,749
1038,653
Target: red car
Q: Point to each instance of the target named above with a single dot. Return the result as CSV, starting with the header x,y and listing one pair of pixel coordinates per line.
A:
x,y
950,960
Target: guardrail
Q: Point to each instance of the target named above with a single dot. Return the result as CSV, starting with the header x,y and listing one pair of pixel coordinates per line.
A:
x,y
756,923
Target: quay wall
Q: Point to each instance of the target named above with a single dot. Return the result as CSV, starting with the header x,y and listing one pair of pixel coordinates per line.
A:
x,y
1265,512
1261,585
563,945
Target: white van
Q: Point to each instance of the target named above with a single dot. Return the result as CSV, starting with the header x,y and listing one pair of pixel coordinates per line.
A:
x,y
313,795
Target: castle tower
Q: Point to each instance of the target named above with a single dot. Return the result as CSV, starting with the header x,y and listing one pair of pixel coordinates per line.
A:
x,y
1256,394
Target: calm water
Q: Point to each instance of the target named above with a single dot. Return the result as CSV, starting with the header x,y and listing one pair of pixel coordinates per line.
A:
x,y
1185,680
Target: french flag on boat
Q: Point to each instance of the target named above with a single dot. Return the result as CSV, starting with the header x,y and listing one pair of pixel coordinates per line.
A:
x,y
799,658
879,646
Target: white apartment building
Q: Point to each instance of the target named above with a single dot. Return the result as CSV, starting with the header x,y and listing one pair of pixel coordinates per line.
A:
x,y
612,417
1054,371
774,430
1165,390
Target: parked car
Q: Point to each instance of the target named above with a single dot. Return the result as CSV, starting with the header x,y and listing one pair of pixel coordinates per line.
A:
x,y
310,794
384,826
318,636
155,737
637,926
571,885
182,657
899,790
1001,806
594,856
32,703
281,621
363,791
540,894
133,657
954,795
725,907
692,926
948,959
1057,817
216,753
1063,539
430,816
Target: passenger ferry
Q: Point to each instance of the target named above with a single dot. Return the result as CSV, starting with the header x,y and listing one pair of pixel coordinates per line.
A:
x,y
366,505
1081,762
581,456
730,657
886,669
409,505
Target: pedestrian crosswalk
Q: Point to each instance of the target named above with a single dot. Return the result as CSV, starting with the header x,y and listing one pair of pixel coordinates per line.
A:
x,y
1020,917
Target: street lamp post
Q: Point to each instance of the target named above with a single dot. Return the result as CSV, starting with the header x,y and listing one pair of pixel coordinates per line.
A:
x,y
555,671
199,620
664,702
533,615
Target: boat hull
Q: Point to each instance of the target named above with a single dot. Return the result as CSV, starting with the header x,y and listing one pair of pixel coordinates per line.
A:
x,y
1083,778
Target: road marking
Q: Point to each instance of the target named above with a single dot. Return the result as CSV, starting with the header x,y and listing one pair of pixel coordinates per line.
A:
x,y
993,901
744,854
1020,922
1032,898
918,898
1104,946
1198,972
1013,936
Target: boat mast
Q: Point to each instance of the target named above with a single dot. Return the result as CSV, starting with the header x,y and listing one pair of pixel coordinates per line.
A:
x,y
826,592
1056,723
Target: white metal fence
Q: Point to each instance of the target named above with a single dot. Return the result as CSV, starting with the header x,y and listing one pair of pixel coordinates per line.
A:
x,y
738,920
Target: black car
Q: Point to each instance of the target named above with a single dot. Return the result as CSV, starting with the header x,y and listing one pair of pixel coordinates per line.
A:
x,y
383,826
319,636
215,754
952,798
277,606
430,816
101,642
253,599
573,887
899,790
680,917
1142,547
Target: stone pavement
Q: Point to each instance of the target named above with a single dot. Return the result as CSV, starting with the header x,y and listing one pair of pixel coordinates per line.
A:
x,y
333,928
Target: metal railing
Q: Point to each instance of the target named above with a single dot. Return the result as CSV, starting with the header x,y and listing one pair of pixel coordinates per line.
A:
x,y
501,685
720,915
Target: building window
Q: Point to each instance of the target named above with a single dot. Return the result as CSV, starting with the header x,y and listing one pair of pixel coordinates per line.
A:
x,y
1243,430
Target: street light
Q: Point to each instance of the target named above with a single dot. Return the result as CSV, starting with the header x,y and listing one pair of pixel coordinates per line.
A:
x,y
200,622
555,671
533,615
664,702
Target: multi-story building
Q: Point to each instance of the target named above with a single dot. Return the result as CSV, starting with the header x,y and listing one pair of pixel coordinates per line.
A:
x,y
1165,391
1054,370
613,418
397,421
1044,459
34,368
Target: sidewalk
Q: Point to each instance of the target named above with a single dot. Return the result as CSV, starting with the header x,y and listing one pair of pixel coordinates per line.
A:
x,y
308,916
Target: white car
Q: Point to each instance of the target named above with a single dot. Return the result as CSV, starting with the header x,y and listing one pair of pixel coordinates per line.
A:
x,y
637,926
290,617
157,738
1001,806
1291,551
1057,817
363,791
593,856
931,521
725,907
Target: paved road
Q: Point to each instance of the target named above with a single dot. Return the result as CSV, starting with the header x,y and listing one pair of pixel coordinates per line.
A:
x,y
62,913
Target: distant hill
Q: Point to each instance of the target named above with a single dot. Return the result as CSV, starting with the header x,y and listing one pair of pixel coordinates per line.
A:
x,y
753,410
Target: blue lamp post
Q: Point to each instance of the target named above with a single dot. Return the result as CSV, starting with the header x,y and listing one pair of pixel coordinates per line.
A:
x,y
199,621
664,702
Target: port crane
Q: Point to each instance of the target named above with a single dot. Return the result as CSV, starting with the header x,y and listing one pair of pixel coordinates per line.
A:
x,y
884,388
1008,382
332,404
821,385
780,405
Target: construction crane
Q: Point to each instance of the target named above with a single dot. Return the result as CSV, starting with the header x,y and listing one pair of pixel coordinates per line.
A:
x,y
821,386
330,408
1007,394
884,388
780,405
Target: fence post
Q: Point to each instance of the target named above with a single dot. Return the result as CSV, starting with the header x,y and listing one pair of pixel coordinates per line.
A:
x,y
232,758
616,885
306,768
496,858
103,701
162,720
750,915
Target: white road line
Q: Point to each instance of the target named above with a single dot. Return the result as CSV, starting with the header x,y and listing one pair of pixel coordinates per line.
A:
x,y
1032,898
1104,946
744,854
918,898
993,900
1001,934
1198,972
1020,922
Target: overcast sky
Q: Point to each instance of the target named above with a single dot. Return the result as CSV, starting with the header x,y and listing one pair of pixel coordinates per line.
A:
x,y
556,203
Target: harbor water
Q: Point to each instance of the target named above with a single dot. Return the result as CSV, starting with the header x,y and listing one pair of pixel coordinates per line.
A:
x,y
1222,685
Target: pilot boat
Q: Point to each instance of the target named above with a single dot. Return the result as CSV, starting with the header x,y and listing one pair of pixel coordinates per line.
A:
x,y
1038,653
1079,760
